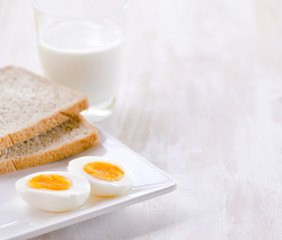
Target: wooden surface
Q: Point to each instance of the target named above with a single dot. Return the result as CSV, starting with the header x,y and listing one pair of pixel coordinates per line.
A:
x,y
202,101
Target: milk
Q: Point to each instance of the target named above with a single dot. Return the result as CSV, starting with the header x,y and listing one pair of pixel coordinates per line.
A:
x,y
85,56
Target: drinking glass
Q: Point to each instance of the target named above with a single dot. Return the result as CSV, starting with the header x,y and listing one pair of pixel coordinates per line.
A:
x,y
80,46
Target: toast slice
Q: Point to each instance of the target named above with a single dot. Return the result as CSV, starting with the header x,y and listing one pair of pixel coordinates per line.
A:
x,y
31,105
68,138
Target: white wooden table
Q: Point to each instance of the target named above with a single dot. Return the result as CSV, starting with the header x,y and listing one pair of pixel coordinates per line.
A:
x,y
203,102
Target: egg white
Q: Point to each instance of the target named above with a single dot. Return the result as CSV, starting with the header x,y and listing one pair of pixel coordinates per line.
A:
x,y
54,200
98,186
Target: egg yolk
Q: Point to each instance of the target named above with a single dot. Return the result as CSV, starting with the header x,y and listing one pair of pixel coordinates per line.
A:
x,y
104,171
50,182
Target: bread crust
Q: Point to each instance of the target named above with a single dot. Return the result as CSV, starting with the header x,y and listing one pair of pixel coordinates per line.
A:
x,y
6,167
45,124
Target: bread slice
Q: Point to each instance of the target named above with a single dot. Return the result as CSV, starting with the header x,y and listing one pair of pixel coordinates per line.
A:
x,y
71,137
30,105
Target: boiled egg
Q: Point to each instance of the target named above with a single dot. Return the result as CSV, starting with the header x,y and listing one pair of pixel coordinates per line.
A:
x,y
53,191
106,177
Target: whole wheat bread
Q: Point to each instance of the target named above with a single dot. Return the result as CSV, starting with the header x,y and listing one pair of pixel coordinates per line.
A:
x,y
31,105
68,138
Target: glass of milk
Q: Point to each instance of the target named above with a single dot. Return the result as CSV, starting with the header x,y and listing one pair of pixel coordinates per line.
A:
x,y
80,46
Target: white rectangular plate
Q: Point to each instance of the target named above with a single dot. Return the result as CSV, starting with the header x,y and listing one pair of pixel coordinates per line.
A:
x,y
18,221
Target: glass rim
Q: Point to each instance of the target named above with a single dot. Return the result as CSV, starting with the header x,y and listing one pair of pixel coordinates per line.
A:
x,y
41,11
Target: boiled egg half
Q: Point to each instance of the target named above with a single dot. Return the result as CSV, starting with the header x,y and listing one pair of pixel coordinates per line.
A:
x,y
106,177
53,191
